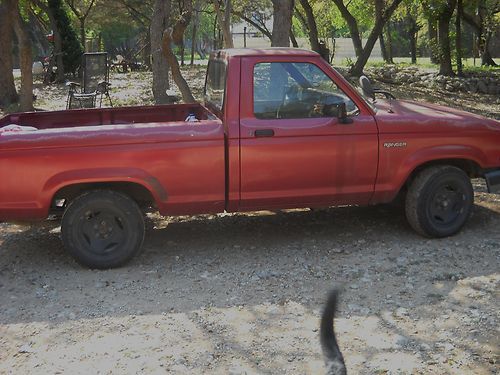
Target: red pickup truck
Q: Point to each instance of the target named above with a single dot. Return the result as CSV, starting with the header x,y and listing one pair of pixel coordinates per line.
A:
x,y
280,128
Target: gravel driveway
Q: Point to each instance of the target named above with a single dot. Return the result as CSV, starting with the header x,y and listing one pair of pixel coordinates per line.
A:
x,y
243,293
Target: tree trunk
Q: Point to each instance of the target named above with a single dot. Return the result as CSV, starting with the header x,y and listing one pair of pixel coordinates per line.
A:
x,y
482,37
383,49
57,53
362,59
197,8
82,33
146,52
352,25
445,67
193,40
295,44
25,58
219,38
282,23
225,22
8,94
413,47
482,14
412,28
357,68
228,37
159,65
458,40
385,43
388,43
486,58
444,18
182,52
433,40
181,83
311,26
215,31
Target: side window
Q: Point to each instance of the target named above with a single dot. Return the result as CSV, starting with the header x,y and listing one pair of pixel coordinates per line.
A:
x,y
296,90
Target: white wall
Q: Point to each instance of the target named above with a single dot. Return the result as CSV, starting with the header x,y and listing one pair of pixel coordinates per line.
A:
x,y
344,47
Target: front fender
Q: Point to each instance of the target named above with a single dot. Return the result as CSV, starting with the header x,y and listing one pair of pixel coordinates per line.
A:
x,y
397,166
426,155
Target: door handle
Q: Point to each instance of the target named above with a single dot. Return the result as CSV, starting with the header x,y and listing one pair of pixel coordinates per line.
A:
x,y
264,133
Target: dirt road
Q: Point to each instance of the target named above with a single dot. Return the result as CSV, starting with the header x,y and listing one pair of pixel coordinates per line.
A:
x,y
243,293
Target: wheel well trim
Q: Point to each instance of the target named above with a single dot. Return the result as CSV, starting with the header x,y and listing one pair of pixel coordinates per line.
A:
x,y
104,175
456,162
455,155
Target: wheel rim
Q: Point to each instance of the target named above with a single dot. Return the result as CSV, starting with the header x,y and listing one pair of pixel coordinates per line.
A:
x,y
101,231
447,205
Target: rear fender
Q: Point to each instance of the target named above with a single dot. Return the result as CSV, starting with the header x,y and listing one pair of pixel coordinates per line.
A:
x,y
102,175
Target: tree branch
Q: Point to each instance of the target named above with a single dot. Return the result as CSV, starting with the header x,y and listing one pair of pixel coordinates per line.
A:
x,y
471,21
140,17
75,10
301,19
44,7
88,9
261,28
181,83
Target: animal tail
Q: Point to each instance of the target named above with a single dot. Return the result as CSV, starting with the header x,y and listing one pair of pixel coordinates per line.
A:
x,y
331,352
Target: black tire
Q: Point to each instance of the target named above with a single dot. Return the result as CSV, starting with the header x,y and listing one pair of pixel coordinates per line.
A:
x,y
102,229
439,201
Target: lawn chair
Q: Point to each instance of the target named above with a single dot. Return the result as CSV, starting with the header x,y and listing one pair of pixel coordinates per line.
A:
x,y
94,84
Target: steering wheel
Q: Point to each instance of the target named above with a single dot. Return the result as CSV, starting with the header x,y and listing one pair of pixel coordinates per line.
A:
x,y
319,106
327,105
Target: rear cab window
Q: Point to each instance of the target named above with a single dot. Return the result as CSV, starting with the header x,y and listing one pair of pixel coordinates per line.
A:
x,y
215,84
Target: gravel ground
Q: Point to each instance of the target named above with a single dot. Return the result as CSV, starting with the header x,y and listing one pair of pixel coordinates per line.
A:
x,y
243,294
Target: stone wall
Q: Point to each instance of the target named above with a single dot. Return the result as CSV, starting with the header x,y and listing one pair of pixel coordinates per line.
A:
x,y
480,82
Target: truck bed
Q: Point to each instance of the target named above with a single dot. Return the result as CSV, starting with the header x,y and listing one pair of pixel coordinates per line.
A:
x,y
107,116
180,162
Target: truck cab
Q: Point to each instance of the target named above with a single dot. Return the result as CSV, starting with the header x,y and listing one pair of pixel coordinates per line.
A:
x,y
287,144
280,128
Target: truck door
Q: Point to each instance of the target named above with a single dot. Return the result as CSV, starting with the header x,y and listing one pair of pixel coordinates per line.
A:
x,y
294,152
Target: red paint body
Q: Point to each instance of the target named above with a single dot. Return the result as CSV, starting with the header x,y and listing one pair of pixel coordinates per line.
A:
x,y
218,164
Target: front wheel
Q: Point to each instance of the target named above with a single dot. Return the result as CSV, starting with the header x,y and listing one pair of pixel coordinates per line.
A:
x,y
439,201
102,229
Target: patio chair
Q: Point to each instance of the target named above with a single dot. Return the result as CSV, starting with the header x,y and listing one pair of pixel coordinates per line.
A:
x,y
94,84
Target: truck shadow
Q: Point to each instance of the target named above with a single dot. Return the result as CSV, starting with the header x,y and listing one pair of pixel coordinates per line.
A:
x,y
239,251
216,274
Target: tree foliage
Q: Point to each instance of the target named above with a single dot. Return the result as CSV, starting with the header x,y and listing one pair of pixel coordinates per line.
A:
x,y
405,27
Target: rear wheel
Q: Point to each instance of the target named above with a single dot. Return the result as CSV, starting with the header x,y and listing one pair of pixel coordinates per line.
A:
x,y
102,229
439,201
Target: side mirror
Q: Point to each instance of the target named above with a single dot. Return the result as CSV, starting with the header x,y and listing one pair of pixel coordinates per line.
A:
x,y
342,114
367,87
